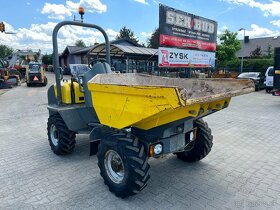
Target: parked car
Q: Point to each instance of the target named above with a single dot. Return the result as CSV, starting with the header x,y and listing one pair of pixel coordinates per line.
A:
x,y
269,79
257,77
50,68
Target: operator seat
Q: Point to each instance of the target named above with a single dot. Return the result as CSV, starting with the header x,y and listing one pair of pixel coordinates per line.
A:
x,y
98,68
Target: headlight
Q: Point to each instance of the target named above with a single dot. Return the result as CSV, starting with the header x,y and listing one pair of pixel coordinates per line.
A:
x,y
157,149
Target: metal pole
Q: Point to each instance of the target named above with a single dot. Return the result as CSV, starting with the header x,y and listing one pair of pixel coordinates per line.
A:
x,y
242,58
55,50
241,69
127,62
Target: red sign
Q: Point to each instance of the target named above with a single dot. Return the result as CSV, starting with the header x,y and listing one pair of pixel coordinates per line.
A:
x,y
166,40
184,30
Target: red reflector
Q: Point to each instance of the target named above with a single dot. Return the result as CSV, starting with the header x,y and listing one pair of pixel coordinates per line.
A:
x,y
277,93
35,78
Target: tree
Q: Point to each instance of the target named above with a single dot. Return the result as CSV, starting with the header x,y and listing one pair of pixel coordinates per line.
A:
x,y
80,43
269,51
128,34
47,59
256,53
153,41
5,51
228,47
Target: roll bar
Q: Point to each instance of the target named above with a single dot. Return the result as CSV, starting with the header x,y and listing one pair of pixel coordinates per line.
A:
x,y
58,73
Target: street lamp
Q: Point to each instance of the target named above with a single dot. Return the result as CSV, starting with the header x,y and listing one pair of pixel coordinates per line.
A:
x,y
242,58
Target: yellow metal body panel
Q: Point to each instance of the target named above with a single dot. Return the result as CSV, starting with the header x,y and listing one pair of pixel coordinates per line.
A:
x,y
121,106
277,71
145,102
143,107
66,93
79,96
42,73
180,113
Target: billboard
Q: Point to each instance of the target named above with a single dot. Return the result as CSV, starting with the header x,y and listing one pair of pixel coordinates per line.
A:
x,y
173,57
184,30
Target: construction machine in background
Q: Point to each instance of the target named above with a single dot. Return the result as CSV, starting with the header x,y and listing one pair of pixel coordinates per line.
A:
x,y
35,74
224,74
132,117
21,58
8,77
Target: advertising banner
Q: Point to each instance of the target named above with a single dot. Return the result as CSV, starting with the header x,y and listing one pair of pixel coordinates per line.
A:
x,y
185,30
173,57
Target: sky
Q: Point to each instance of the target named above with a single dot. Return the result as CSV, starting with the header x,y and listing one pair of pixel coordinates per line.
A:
x,y
34,20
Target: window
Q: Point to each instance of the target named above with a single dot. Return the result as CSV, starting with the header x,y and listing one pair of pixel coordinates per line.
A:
x,y
271,72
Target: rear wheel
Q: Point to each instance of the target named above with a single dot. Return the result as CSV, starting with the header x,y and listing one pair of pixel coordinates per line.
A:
x,y
123,164
28,84
61,139
201,147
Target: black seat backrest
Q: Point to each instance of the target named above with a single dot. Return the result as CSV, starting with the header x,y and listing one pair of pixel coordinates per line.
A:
x,y
99,68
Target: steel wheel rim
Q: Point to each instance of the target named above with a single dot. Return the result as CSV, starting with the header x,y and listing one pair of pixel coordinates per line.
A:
x,y
114,166
54,135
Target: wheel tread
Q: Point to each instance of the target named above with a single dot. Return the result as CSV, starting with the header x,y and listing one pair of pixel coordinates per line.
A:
x,y
203,144
136,162
66,137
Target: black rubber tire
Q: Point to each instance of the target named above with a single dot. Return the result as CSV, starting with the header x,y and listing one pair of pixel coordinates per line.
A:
x,y
202,145
66,138
135,161
268,90
28,84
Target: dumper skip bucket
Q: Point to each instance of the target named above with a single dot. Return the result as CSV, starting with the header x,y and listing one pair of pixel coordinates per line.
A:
x,y
145,102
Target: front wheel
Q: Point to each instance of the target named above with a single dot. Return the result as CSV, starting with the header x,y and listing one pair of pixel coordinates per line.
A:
x,y
201,147
61,139
123,164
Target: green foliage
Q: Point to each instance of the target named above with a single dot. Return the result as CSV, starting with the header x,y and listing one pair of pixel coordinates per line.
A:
x,y
153,41
128,34
80,43
47,59
256,53
259,65
5,51
269,51
228,47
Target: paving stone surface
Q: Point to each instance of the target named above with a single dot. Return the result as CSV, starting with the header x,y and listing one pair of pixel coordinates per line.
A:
x,y
241,172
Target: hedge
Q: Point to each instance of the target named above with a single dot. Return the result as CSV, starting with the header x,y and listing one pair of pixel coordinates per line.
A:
x,y
258,65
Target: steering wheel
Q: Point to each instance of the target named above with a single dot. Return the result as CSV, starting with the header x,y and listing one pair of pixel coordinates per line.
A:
x,y
98,60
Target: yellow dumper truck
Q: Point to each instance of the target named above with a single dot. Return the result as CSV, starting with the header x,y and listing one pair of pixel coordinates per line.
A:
x,y
133,117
